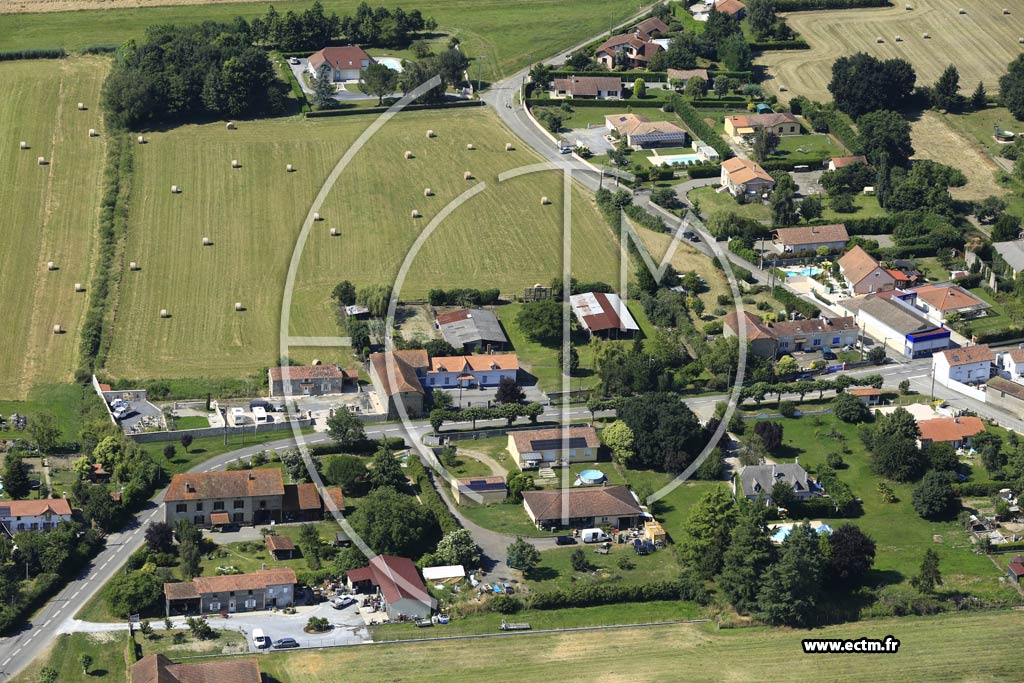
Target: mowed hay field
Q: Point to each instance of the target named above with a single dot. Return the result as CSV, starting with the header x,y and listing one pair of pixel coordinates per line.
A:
x,y
980,43
50,213
502,238
935,139
966,647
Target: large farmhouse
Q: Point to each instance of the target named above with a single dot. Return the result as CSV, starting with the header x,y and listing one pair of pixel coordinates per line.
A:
x,y
33,515
344,63
308,380
232,592
613,506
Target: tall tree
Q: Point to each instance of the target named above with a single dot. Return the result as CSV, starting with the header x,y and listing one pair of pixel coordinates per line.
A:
x,y
707,532
765,142
885,132
933,497
395,524
311,545
45,433
16,482
1011,87
979,100
668,426
929,575
522,555
749,556
852,554
862,83
945,94
783,202
734,52
458,547
791,587
385,470
345,428
379,80
761,18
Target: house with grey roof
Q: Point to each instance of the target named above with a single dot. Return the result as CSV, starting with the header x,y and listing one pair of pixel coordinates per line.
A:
x,y
471,330
1009,258
897,324
756,481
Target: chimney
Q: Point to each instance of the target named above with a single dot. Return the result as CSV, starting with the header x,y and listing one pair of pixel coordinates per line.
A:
x,y
252,476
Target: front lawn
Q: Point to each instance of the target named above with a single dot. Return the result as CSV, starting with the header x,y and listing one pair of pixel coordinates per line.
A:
x,y
593,117
866,206
505,518
542,361
708,203
468,466
555,570
807,149
208,447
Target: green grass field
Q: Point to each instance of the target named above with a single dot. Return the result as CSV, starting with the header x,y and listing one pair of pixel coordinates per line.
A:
x,y
502,237
502,34
50,214
801,149
711,203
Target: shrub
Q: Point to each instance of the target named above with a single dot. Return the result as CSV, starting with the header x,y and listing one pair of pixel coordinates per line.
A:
x,y
787,409
506,604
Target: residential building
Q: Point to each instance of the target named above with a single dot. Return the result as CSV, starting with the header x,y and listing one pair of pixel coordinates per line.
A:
x,y
809,238
650,28
640,132
744,177
344,63
945,299
756,481
479,490
588,87
836,163
863,274
897,324
395,581
631,50
956,431
1003,393
254,496
309,380
582,508
158,669
869,396
684,75
904,279
472,330
280,547
743,127
734,8
34,515
546,447
967,365
604,315
259,590
769,340
302,502
1010,364
1008,258
395,378
486,370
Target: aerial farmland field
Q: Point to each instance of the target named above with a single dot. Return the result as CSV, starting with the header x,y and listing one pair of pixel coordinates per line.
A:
x,y
503,237
50,213
980,43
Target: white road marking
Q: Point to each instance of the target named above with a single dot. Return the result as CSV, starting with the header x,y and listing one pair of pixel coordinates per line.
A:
x,y
7,661
917,376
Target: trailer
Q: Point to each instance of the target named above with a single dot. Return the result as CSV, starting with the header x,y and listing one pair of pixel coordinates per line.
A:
x,y
514,626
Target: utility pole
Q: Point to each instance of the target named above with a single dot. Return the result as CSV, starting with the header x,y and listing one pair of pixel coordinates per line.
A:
x,y
932,399
479,63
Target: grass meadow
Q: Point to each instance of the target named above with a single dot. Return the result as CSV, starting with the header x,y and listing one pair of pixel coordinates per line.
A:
x,y
502,237
503,35
50,214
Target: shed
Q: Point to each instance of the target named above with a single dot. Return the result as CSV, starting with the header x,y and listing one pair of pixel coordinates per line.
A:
x,y
454,572
281,547
1015,571
653,531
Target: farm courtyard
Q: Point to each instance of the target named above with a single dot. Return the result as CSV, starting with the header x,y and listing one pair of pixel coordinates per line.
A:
x,y
50,214
501,237
980,43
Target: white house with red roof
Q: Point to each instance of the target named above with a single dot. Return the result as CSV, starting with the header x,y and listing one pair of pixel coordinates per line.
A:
x,y
344,63
34,515
1010,364
967,365
604,314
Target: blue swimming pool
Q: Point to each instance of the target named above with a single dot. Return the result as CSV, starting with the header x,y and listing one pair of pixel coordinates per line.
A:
x,y
591,477
807,271
674,160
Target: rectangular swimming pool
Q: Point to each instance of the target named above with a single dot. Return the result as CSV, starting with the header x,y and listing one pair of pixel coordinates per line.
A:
x,y
674,160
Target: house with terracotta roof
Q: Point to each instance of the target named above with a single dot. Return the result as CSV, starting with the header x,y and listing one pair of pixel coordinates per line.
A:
x,y
535,448
604,315
483,370
395,378
684,75
34,515
472,330
1010,364
158,669
585,507
956,431
640,132
967,365
836,163
743,127
734,8
587,87
343,63
396,583
869,396
302,502
254,496
632,50
650,27
863,274
259,590
479,490
945,299
807,239
309,380
771,339
744,177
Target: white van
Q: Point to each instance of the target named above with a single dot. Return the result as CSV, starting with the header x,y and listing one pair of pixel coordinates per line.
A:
x,y
259,639
594,536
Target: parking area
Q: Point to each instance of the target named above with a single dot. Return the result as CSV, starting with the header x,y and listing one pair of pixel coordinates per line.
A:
x,y
591,138
484,398
141,416
808,182
347,625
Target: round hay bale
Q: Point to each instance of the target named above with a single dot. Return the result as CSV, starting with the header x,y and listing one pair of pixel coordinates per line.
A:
x,y
50,265
335,232
908,7
961,11
42,161
133,266
142,140
79,287
926,35
175,189
231,125
416,214
207,242
879,39
164,313
470,146
239,306
289,168
316,361
81,106
899,39
57,329
24,145
1021,39
408,155
427,192
467,175
509,147
783,88
430,134
317,217
235,164
544,201
93,133
1006,11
